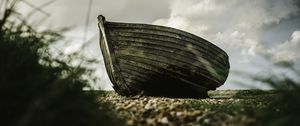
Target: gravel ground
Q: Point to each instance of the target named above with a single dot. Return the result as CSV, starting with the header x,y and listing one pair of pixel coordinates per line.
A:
x,y
223,108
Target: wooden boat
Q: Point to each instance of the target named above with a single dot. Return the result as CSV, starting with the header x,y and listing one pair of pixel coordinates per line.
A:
x,y
160,61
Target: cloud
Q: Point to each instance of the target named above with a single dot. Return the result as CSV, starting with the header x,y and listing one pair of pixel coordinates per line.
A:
x,y
287,51
230,24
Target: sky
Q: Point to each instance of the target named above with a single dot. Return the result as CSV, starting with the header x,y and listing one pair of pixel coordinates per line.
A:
x,y
256,34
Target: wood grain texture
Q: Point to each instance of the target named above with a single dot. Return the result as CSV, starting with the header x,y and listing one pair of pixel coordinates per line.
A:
x,y
160,60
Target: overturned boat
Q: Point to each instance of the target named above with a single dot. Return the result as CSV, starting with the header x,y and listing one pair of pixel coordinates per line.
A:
x,y
160,61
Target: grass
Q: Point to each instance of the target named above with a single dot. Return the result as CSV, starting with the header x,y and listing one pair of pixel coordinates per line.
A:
x,y
37,89
234,107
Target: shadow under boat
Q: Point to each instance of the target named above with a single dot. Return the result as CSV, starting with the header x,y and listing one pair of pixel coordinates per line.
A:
x,y
160,61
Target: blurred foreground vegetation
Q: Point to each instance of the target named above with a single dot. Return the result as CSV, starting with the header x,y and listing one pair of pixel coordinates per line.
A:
x,y
39,90
287,102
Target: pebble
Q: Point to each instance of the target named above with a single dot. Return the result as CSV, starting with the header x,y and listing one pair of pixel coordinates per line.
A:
x,y
148,106
168,111
178,114
164,120
207,121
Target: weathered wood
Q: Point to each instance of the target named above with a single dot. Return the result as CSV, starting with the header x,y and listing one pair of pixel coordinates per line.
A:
x,y
160,60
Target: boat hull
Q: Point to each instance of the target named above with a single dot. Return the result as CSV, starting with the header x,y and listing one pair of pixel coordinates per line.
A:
x,y
161,61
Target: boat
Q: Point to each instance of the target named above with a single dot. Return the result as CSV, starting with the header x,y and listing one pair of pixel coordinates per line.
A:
x,y
160,61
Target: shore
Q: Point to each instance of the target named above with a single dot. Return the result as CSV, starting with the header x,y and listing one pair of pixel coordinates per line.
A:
x,y
222,108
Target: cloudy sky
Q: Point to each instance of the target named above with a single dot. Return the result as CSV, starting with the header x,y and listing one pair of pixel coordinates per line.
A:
x,y
255,33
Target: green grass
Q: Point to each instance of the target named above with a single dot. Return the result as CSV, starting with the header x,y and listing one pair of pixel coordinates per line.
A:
x,y
245,107
37,89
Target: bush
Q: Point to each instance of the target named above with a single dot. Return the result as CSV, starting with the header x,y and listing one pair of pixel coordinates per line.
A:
x,y
36,89
285,108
